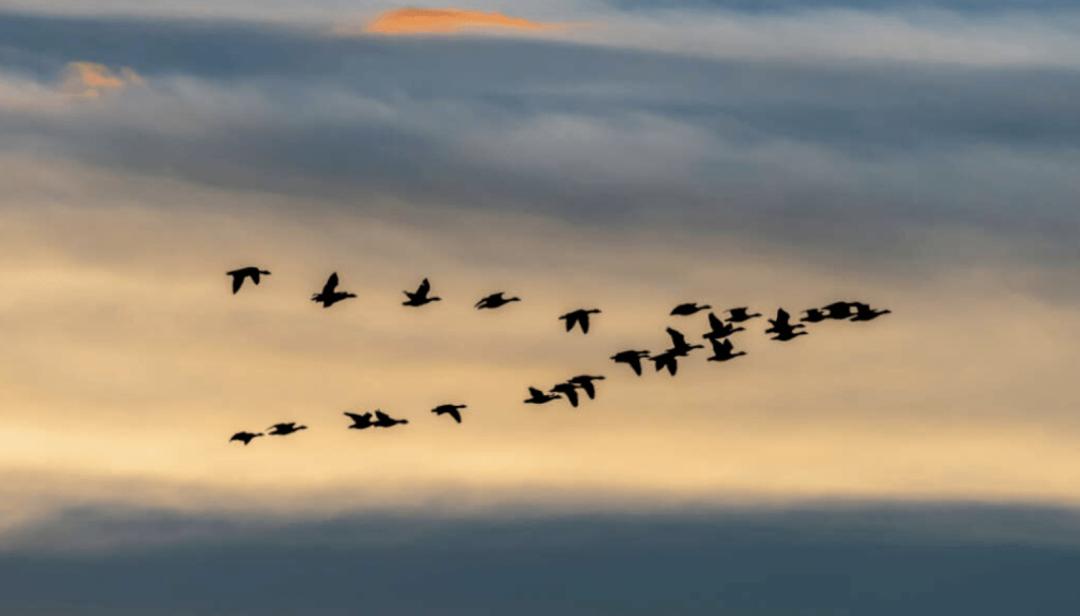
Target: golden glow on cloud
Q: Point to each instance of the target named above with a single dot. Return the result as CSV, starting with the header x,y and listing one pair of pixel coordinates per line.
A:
x,y
91,80
447,21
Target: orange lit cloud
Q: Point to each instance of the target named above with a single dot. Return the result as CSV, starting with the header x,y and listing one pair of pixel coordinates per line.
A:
x,y
91,80
446,21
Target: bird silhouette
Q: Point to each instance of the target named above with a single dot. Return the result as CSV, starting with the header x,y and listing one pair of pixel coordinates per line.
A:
x,y
782,322
285,429
382,420
667,359
788,334
579,317
453,410
740,314
631,358
495,300
839,311
687,309
814,315
723,350
421,296
863,312
245,437
679,347
585,382
239,275
719,329
329,294
569,390
538,397
360,421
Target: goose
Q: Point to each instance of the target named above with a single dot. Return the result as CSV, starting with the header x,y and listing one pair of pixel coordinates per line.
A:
x,y
838,310
538,397
585,382
687,309
329,294
740,314
679,347
285,428
453,410
579,317
723,350
631,358
360,421
382,420
421,296
782,322
719,329
245,437
863,312
569,390
495,300
239,275
814,315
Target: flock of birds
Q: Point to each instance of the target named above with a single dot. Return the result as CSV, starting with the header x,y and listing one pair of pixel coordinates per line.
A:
x,y
719,336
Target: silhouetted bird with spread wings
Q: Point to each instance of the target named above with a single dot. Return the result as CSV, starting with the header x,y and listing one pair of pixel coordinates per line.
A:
x,y
679,347
421,296
668,359
687,309
329,294
245,437
724,350
719,329
741,314
838,311
569,391
585,382
631,358
453,410
579,317
239,275
285,429
361,421
382,420
863,312
538,397
495,300
783,328
814,315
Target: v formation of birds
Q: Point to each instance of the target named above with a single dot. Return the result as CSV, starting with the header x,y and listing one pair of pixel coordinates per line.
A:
x,y
720,337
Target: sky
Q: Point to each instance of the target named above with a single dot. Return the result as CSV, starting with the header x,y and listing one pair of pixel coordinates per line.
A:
x,y
624,154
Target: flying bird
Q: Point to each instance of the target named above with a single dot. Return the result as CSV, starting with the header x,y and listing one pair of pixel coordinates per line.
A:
x,y
863,312
719,329
382,420
579,317
723,350
285,429
569,390
687,309
740,314
788,334
679,347
360,421
495,300
814,315
538,397
245,437
667,359
631,358
839,310
329,294
782,322
239,275
585,382
421,296
453,410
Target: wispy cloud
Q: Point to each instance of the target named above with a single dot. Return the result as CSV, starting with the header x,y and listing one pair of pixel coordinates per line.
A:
x,y
413,21
92,80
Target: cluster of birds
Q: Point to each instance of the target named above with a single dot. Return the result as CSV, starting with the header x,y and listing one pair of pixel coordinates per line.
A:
x,y
719,336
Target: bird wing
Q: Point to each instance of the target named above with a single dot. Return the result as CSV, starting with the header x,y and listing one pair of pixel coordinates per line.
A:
x,y
535,393
715,323
782,315
584,322
331,284
635,363
570,318
673,366
424,287
588,387
453,412
717,346
677,339
357,417
381,416
571,394
237,281
239,436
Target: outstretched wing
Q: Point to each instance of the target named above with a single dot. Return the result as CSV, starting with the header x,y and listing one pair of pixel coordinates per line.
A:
x,y
535,393
677,339
570,318
584,322
381,416
424,287
715,323
453,412
635,363
331,284
717,346
237,281
357,417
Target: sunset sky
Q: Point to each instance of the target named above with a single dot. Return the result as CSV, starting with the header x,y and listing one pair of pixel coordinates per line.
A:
x,y
624,154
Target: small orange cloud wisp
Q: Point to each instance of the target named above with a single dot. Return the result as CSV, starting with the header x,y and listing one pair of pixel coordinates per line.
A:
x,y
446,21
90,80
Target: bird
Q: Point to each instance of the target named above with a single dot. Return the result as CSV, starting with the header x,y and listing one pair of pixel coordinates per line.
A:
x,y
579,317
239,275
788,334
740,314
329,294
631,358
720,329
569,390
453,410
838,310
360,421
382,420
245,437
585,382
421,296
723,350
863,312
814,315
285,429
687,309
495,300
668,360
679,347
538,397
782,322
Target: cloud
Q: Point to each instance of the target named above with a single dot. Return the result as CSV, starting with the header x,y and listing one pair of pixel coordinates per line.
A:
x,y
78,81
92,80
411,21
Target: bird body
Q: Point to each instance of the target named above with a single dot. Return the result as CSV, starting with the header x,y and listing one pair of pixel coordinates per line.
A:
x,y
668,360
361,421
579,317
687,309
453,410
245,437
719,329
569,391
382,420
814,315
863,312
495,300
537,396
285,428
838,310
782,322
329,294
679,346
724,350
421,296
740,314
787,334
585,382
239,275
631,358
